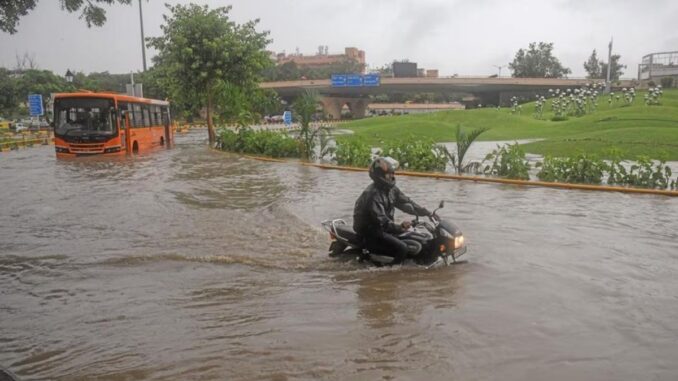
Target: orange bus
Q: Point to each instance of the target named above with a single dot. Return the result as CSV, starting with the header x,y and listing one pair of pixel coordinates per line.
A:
x,y
88,123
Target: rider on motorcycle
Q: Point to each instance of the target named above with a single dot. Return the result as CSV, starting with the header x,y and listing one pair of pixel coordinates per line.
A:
x,y
373,213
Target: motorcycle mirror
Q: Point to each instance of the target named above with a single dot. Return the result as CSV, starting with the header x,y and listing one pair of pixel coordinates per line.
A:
x,y
442,204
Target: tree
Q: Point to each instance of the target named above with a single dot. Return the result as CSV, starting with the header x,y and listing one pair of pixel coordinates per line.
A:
x,y
305,106
11,11
290,71
592,66
42,82
8,93
203,51
616,70
386,70
537,62
597,69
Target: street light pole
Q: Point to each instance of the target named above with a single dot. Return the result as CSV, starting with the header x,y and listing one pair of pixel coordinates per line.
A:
x,y
609,66
143,47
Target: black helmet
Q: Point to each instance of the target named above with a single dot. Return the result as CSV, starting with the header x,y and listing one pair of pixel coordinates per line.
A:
x,y
378,170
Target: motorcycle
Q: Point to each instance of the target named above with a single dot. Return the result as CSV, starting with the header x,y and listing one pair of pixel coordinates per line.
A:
x,y
432,243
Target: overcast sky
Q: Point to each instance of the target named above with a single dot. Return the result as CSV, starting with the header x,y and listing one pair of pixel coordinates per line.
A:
x,y
465,37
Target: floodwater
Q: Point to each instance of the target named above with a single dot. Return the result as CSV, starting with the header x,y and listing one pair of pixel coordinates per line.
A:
x,y
192,264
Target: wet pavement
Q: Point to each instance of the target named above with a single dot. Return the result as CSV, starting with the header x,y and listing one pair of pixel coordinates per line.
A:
x,y
190,263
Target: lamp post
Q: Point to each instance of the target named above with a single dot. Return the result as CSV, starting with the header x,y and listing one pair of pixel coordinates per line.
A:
x,y
143,46
609,67
69,76
499,67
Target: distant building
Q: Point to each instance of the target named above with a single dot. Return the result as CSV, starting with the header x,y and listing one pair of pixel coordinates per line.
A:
x,y
322,59
656,66
432,73
405,69
411,108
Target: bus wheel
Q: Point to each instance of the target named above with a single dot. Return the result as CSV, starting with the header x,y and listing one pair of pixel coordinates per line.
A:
x,y
135,148
162,141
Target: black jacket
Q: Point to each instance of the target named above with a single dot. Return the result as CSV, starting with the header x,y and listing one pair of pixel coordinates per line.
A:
x,y
374,209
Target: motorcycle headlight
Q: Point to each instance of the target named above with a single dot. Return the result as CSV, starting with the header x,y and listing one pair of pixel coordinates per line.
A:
x,y
458,242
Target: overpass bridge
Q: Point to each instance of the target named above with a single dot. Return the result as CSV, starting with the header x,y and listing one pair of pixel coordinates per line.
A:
x,y
497,91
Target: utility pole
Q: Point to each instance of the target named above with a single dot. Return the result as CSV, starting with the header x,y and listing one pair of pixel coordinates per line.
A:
x,y
609,66
499,67
143,46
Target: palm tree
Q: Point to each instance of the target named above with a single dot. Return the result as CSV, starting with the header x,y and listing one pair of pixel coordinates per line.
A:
x,y
464,142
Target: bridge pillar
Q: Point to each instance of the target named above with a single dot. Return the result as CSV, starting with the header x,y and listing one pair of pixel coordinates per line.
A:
x,y
359,107
332,106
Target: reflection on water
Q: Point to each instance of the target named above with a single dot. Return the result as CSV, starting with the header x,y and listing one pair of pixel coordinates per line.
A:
x,y
196,264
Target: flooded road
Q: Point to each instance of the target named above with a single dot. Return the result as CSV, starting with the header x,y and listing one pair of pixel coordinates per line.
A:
x,y
195,264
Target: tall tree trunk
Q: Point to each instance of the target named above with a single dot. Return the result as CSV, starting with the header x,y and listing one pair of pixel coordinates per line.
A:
x,y
210,125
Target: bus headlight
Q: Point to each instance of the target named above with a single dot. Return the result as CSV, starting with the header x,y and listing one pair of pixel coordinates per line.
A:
x,y
61,149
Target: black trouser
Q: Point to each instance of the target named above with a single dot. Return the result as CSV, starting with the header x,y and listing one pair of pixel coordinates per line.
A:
x,y
386,244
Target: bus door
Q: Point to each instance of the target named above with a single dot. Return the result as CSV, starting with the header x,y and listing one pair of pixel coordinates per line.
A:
x,y
125,125
128,133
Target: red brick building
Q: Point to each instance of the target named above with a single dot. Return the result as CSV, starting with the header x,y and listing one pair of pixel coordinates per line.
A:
x,y
320,60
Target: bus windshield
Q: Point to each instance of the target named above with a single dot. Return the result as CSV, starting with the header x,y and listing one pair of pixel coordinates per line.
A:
x,y
84,116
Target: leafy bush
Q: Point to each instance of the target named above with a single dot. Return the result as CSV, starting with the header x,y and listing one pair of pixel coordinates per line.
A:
x,y
418,155
508,161
640,174
267,143
353,152
667,82
578,169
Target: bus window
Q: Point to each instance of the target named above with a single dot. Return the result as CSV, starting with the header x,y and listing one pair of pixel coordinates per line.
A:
x,y
147,116
165,116
155,119
122,109
138,116
79,117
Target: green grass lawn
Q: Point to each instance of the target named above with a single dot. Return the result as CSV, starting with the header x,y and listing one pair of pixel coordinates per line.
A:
x,y
632,130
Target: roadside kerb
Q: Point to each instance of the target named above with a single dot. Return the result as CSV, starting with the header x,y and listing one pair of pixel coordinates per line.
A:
x,y
445,176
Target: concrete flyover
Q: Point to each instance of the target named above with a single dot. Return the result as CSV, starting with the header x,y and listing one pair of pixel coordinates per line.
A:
x,y
494,91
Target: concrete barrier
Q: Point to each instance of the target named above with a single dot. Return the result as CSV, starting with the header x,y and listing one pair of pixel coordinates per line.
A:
x,y
16,144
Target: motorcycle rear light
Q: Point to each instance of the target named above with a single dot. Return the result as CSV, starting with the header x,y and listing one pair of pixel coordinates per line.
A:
x,y
333,237
442,248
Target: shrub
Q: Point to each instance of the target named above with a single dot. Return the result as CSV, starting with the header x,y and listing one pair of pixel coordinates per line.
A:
x,y
353,152
418,155
579,169
667,82
508,161
267,143
643,174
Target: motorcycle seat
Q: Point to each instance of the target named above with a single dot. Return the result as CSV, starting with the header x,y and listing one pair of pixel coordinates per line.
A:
x,y
346,232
